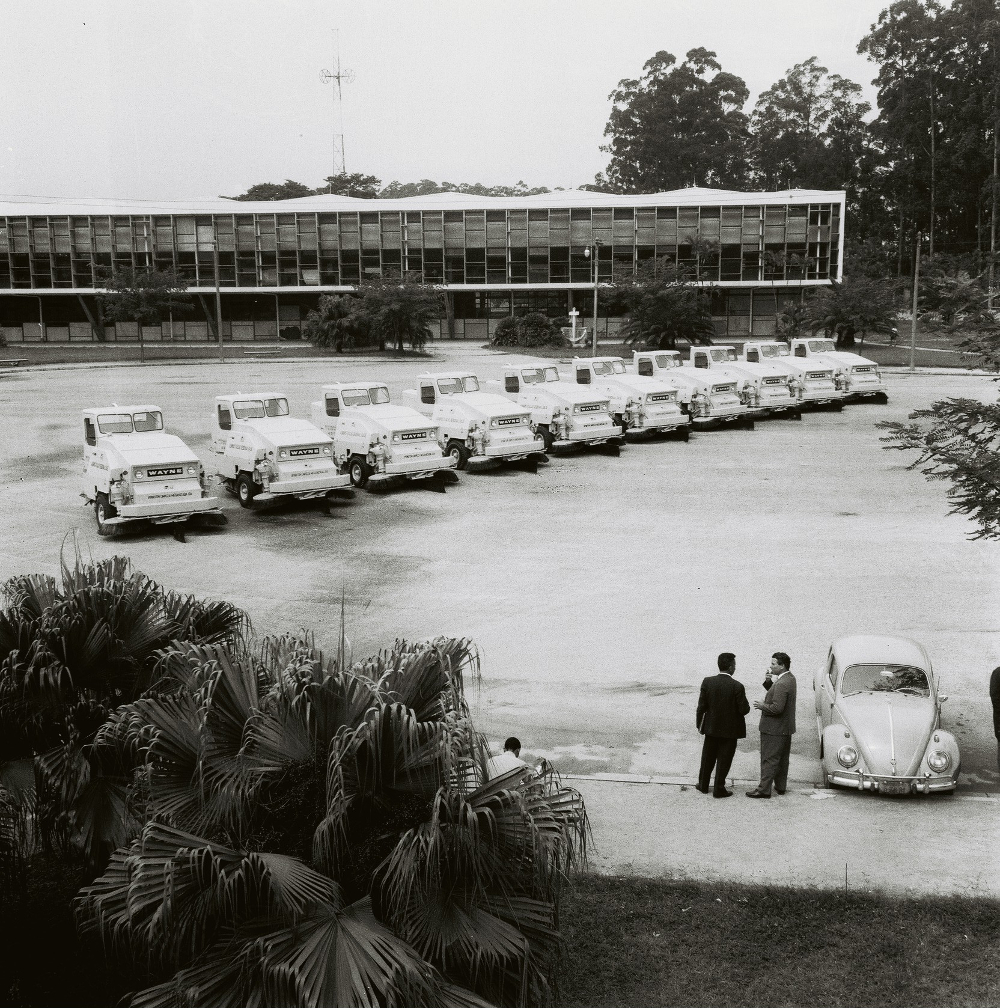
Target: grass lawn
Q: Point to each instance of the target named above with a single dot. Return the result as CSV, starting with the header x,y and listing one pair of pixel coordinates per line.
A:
x,y
156,353
644,943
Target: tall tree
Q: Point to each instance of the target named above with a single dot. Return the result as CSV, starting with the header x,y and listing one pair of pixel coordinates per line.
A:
x,y
938,88
141,295
809,131
677,126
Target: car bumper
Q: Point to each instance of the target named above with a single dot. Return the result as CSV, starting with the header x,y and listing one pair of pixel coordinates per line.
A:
x,y
591,436
416,468
776,404
652,425
511,451
307,486
724,414
165,510
858,390
821,395
891,785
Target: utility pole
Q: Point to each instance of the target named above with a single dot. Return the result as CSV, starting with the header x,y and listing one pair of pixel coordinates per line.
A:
x,y
336,77
218,300
913,320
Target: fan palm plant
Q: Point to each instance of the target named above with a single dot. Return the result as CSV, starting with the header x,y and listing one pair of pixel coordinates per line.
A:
x,y
71,652
327,836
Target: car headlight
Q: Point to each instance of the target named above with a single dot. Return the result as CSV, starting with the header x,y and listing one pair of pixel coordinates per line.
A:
x,y
939,761
395,439
327,450
282,453
191,470
138,474
847,756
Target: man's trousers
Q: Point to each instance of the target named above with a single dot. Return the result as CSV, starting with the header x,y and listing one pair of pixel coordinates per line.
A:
x,y
774,752
716,754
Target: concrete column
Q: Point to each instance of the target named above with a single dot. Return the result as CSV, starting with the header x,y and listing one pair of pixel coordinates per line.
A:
x,y
449,309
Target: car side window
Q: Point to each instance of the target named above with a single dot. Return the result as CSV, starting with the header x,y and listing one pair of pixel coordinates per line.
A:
x,y
753,357
645,368
427,394
800,351
225,418
89,432
583,376
833,672
332,406
511,384
701,360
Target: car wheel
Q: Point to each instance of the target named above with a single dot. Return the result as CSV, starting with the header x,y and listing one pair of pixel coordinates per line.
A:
x,y
547,437
359,472
246,489
459,453
748,424
838,407
103,510
881,398
684,433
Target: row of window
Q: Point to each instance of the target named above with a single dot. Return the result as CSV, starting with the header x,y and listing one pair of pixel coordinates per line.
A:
x,y
745,225
347,267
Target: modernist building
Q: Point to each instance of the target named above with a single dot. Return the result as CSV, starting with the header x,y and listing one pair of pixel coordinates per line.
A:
x,y
755,251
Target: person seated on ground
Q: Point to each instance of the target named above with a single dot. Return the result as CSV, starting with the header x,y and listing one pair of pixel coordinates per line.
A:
x,y
511,758
507,760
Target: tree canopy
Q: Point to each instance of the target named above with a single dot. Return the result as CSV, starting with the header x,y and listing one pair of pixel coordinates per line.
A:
x,y
808,131
138,294
677,126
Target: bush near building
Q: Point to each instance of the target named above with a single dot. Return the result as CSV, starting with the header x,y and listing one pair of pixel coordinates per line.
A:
x,y
532,329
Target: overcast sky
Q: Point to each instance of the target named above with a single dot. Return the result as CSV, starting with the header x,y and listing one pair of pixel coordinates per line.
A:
x,y
195,98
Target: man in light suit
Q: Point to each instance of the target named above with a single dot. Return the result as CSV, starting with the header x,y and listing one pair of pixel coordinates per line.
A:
x,y
777,726
721,718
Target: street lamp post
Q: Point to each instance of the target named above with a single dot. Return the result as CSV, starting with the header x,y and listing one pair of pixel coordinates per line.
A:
x,y
591,253
572,322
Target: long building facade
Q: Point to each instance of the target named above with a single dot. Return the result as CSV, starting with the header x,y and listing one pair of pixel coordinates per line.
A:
x,y
270,262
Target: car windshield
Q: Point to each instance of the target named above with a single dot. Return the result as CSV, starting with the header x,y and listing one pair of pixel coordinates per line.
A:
x,y
772,350
721,356
821,345
147,420
248,409
533,376
449,386
356,397
667,360
115,423
379,394
884,679
609,367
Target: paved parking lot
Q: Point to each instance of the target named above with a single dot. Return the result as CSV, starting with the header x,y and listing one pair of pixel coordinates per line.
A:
x,y
599,590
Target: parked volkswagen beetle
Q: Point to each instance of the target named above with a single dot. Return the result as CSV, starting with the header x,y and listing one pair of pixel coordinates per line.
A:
x,y
878,712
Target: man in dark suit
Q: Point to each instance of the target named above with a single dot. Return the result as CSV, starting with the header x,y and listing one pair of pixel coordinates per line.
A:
x,y
995,701
721,718
777,726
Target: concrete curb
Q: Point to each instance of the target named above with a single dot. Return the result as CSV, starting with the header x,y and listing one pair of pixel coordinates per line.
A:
x,y
968,372
736,783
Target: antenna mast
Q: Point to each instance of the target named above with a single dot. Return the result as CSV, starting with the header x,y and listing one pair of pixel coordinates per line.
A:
x,y
336,77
